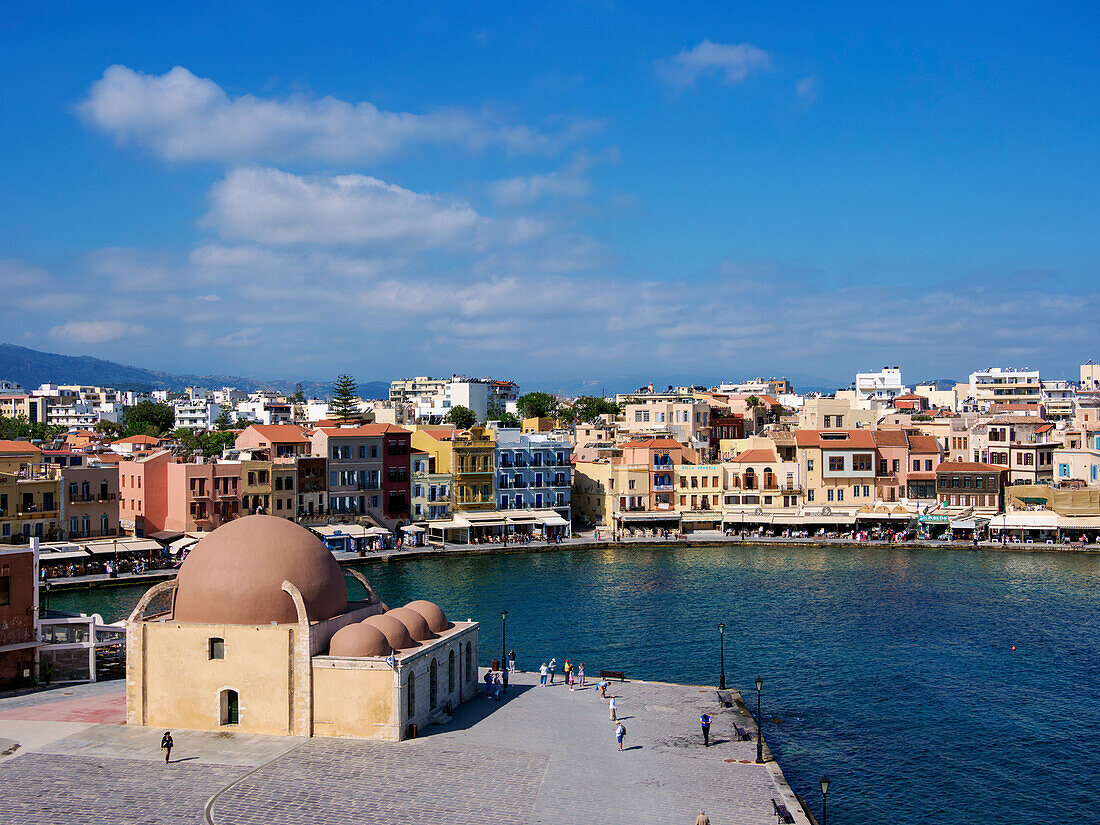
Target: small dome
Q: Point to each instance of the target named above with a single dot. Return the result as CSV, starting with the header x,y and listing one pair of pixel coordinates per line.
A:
x,y
432,614
359,640
397,635
416,623
235,575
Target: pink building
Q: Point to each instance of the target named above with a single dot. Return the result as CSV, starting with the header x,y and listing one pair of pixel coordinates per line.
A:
x,y
281,440
143,493
202,496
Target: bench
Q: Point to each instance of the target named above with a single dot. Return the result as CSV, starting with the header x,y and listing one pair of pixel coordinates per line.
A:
x,y
725,698
613,674
781,812
743,734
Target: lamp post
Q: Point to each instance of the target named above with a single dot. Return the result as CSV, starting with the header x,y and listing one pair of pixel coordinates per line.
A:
x,y
503,645
722,655
824,794
759,724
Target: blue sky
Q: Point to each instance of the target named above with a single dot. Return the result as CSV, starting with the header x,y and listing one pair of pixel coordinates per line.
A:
x,y
552,189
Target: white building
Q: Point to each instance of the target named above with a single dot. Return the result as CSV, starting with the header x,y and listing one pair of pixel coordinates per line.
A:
x,y
433,398
878,389
1059,398
196,414
998,385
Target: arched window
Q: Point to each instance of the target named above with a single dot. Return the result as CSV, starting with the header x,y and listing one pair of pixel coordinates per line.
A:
x,y
769,478
433,684
469,665
451,672
410,695
750,479
229,707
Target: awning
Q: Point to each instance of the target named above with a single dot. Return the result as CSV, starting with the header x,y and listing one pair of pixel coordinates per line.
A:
x,y
787,518
166,535
413,528
671,515
108,548
965,524
457,523
377,531
179,545
331,530
554,521
68,553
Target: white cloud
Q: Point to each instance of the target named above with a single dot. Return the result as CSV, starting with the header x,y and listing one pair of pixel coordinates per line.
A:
x,y
525,190
807,89
733,62
269,206
95,332
180,117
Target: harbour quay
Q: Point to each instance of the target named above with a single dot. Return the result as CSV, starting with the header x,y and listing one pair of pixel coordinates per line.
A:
x,y
538,755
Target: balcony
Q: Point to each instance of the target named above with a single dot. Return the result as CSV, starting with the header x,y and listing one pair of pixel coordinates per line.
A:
x,y
367,485
93,534
662,488
36,512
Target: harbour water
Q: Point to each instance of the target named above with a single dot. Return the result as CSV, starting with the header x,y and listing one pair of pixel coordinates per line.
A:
x,y
938,687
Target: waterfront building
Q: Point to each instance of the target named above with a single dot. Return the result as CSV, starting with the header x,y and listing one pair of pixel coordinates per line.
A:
x,y
200,496
822,413
89,500
758,477
1078,458
18,614
474,469
268,486
1023,445
972,485
999,385
143,493
312,485
431,498
260,638
533,471
368,469
838,466
611,493
30,495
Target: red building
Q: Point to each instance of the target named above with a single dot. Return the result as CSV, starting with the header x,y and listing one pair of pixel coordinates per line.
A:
x,y
18,614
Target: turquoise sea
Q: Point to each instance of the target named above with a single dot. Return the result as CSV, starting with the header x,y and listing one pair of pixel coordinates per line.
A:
x,y
943,687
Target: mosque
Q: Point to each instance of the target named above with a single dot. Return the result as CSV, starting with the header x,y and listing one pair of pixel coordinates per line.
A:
x,y
260,637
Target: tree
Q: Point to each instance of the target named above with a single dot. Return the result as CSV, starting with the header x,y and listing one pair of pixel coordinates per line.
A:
x,y
461,417
111,429
213,443
147,416
299,395
345,399
222,422
588,409
537,405
188,440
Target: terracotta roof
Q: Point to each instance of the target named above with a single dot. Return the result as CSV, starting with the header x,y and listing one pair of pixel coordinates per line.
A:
x,y
137,439
909,396
654,443
757,455
1046,428
280,433
923,444
362,430
108,458
891,438
921,476
967,467
439,433
18,447
855,440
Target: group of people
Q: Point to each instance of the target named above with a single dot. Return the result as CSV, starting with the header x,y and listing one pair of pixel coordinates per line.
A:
x,y
574,674
496,683
90,568
516,538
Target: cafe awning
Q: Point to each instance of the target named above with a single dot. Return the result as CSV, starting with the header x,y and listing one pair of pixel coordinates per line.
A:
x,y
412,528
554,521
108,548
68,552
668,515
166,535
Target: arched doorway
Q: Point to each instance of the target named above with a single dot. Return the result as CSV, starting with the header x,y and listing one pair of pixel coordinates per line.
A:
x,y
229,707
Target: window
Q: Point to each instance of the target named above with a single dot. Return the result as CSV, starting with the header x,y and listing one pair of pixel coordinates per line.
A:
x,y
829,494
469,665
840,494
451,672
866,491
855,491
810,464
916,465
410,694
5,586
433,687
809,495
897,464
836,464
215,648
862,462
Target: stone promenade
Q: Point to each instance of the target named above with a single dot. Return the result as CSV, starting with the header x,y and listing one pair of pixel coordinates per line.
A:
x,y
544,755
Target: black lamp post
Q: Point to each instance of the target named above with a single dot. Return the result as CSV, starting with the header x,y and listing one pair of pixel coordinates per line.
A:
x,y
759,724
503,645
824,794
722,655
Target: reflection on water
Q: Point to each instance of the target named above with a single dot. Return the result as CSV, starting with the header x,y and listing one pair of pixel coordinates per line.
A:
x,y
892,670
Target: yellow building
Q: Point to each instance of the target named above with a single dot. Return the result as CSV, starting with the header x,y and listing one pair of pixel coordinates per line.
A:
x,y
474,453
30,503
260,638
603,490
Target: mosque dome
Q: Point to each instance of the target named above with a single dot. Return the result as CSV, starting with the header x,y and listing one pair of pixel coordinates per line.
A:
x,y
235,575
417,625
432,614
359,639
397,635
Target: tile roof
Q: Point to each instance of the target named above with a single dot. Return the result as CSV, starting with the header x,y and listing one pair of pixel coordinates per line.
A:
x,y
923,444
18,447
854,440
757,455
137,439
281,433
364,430
890,438
967,467
654,443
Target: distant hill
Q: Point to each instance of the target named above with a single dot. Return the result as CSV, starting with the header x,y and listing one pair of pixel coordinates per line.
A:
x,y
941,383
30,367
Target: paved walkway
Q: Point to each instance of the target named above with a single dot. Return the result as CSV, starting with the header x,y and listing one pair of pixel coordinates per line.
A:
x,y
544,755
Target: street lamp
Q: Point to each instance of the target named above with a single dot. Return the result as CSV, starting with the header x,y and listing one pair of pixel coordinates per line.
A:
x,y
759,724
824,794
503,646
722,655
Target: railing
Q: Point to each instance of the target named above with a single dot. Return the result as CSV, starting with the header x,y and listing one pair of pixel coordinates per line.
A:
x,y
662,488
367,485
92,534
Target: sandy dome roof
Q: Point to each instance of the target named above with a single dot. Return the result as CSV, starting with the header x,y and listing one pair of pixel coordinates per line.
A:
x,y
358,639
415,622
235,575
432,614
397,635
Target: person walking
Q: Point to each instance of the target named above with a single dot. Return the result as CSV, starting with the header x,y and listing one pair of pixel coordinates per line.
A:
x,y
553,667
611,706
702,819
620,733
166,744
704,723
512,660
543,670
